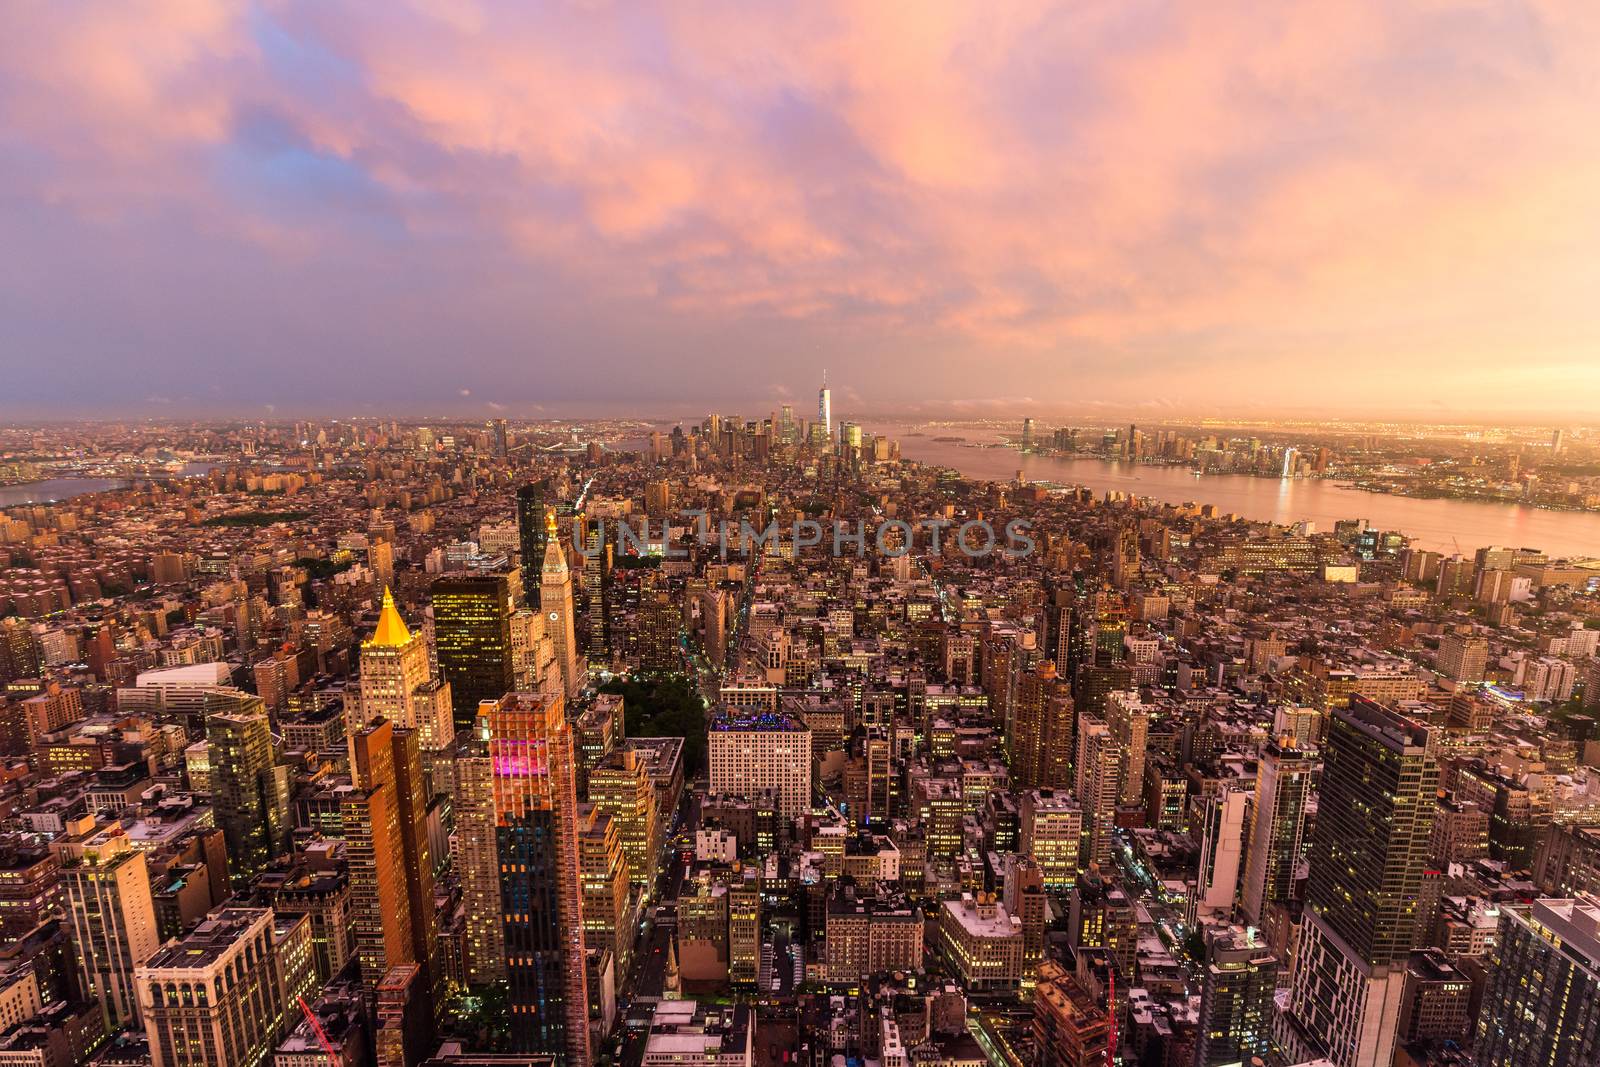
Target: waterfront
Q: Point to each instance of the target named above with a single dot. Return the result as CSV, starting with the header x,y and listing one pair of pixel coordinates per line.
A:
x,y
52,490
1440,525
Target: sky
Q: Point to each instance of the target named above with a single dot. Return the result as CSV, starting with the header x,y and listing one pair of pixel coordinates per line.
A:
x,y
524,209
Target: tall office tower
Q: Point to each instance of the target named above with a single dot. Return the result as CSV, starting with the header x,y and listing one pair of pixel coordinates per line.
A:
x,y
825,408
620,786
1027,435
1221,849
1542,1005
603,870
533,654
1042,736
1129,720
1050,831
1374,819
1277,831
1070,1026
379,902
1100,768
394,667
105,886
744,925
536,833
1463,657
249,792
1125,557
555,600
472,636
1558,441
531,533
390,757
658,499
477,860
1024,896
1236,1006
756,753
218,995
597,599
501,445
1455,578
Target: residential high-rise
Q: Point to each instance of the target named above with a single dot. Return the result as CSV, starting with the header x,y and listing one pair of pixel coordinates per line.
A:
x,y
1463,657
825,408
1277,830
477,860
620,786
603,869
1542,1004
472,637
1374,821
1042,733
1129,720
755,753
555,600
105,886
536,832
1099,781
1221,848
531,533
1236,1007
249,791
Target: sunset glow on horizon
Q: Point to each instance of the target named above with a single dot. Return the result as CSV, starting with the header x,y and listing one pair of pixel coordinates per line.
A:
x,y
957,208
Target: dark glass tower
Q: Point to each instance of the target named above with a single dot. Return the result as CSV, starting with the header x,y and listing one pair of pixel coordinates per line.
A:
x,y
472,635
531,535
1374,821
536,842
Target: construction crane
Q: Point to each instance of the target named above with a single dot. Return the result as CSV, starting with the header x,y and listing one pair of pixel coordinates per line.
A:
x,y
316,1028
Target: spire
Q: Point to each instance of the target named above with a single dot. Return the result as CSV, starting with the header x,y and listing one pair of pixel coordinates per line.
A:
x,y
550,523
669,986
391,631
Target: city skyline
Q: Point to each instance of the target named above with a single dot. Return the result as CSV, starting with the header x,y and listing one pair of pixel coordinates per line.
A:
x,y
218,208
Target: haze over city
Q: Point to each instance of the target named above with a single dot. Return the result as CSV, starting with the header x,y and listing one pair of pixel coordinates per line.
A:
x,y
1356,208
838,534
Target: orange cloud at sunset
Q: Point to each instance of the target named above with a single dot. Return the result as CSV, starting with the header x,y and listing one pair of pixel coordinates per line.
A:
x,y
1361,206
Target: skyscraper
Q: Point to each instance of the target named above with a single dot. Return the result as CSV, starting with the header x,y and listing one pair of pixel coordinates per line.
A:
x,y
472,635
380,904
531,533
248,790
1277,832
394,671
105,885
396,875
1042,739
1542,1006
555,600
536,835
1374,821
1236,1007
825,407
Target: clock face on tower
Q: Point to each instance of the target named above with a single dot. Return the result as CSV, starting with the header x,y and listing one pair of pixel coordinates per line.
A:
x,y
555,616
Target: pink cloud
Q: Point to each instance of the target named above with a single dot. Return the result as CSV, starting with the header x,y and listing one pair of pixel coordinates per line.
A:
x,y
1160,196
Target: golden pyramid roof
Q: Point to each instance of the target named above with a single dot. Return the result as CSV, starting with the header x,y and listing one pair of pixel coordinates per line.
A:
x,y
391,631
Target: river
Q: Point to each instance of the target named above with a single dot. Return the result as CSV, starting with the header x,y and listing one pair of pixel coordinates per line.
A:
x,y
1440,525
56,489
